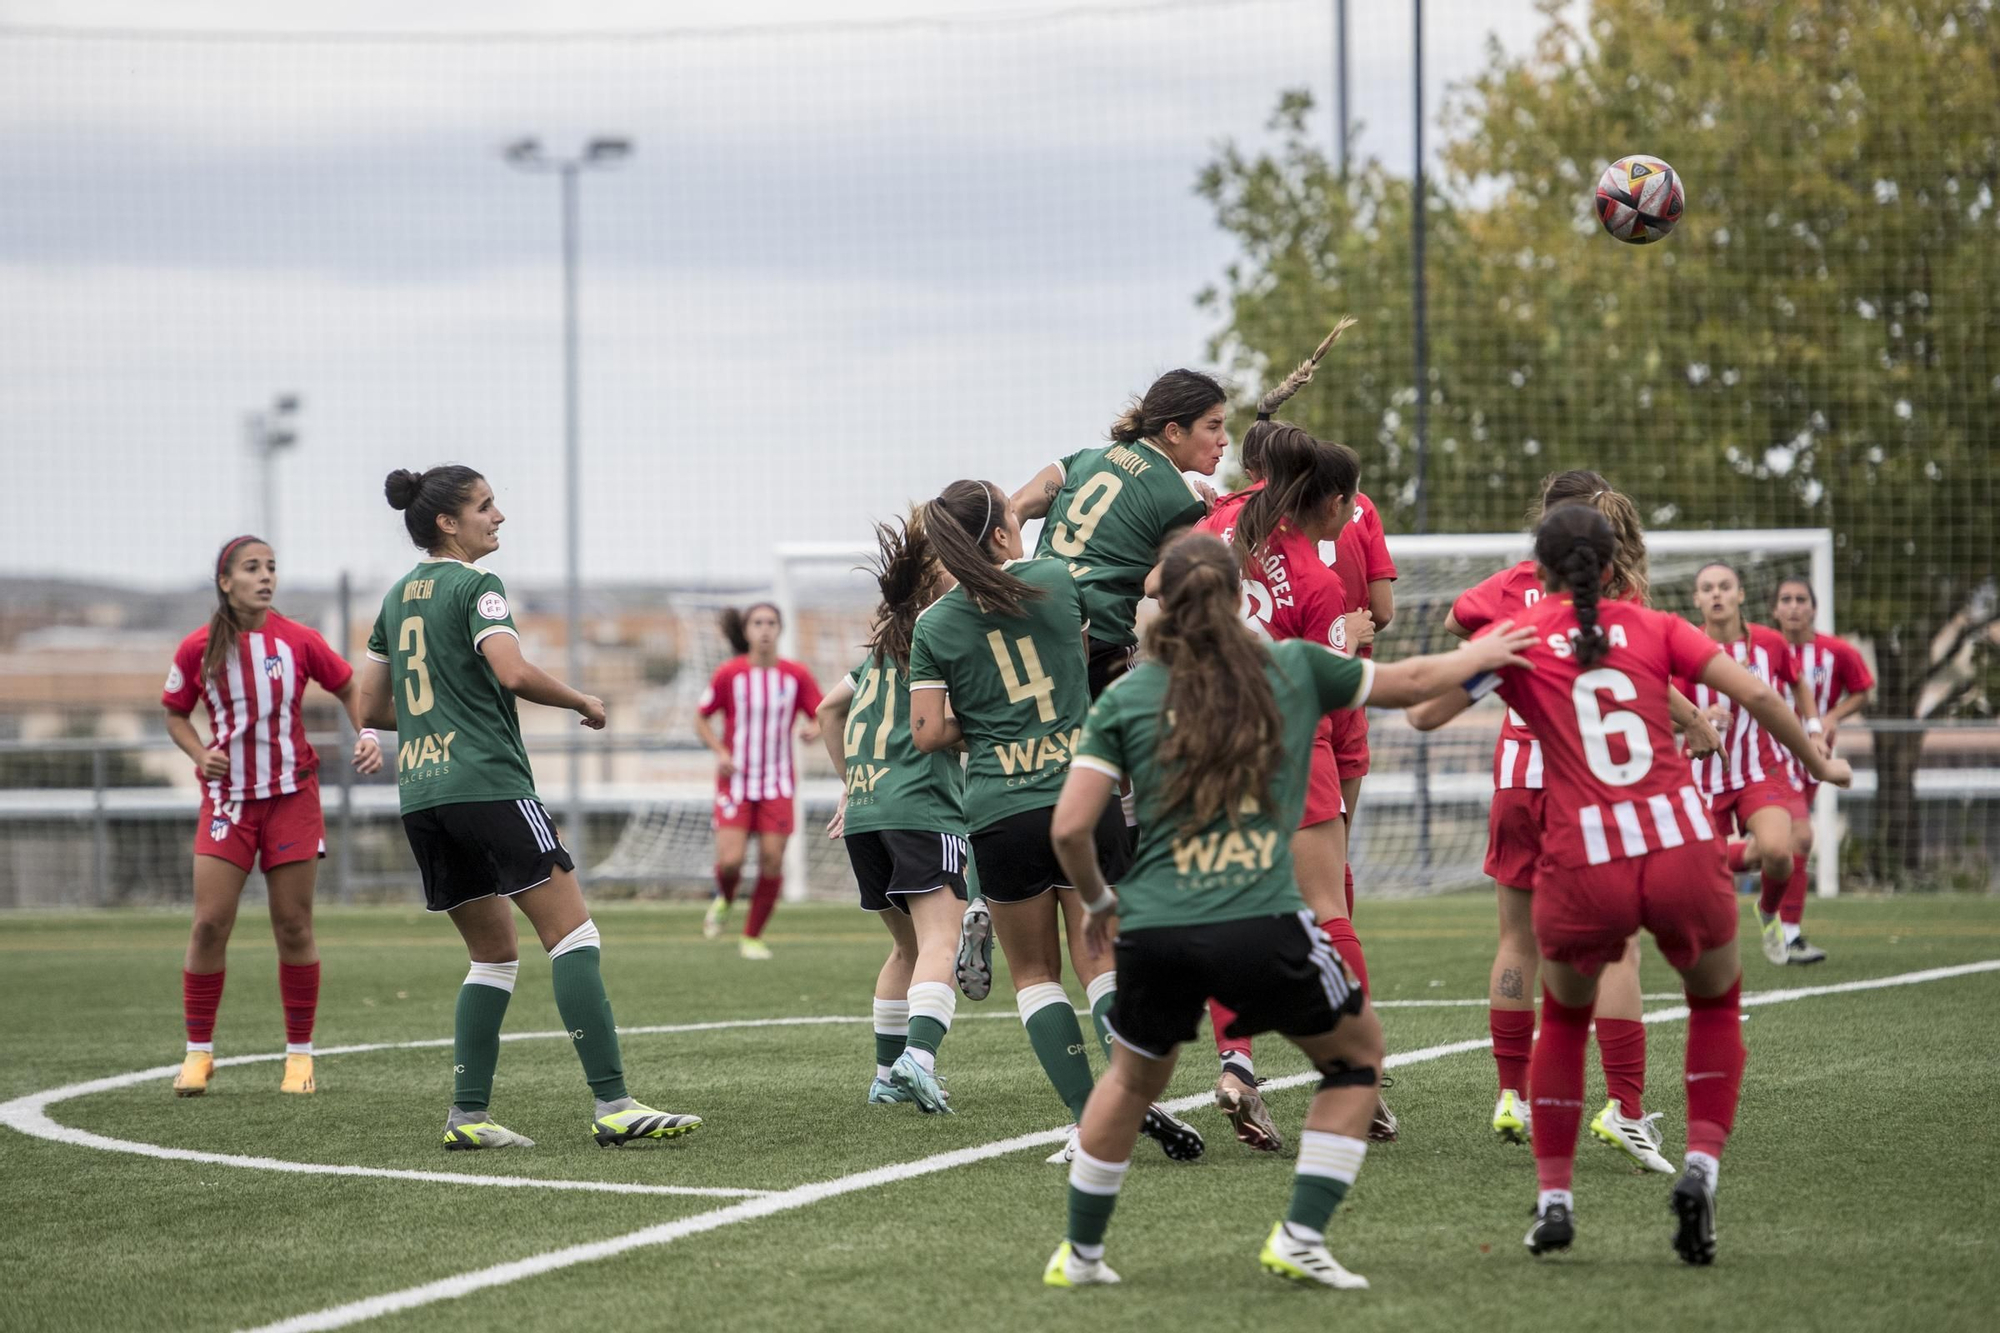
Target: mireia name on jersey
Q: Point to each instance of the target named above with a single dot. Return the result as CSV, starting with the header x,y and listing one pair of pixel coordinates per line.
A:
x,y
253,706
1617,784
1748,753
758,707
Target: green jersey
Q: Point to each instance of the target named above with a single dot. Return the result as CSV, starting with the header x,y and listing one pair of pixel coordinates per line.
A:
x,y
1116,506
890,783
458,736
1020,686
1219,872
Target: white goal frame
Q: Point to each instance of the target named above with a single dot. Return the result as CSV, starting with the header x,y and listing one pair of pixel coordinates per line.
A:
x,y
1815,544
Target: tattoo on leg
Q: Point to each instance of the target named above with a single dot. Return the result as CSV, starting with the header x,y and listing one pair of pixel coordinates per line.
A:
x,y
1510,983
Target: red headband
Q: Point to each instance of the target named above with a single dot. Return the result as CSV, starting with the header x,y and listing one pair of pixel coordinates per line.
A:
x,y
229,549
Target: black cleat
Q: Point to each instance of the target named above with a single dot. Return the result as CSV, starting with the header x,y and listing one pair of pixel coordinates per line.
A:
x,y
974,964
1177,1138
1694,1210
1553,1230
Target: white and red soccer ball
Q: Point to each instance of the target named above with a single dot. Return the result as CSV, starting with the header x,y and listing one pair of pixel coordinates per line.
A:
x,y
1639,199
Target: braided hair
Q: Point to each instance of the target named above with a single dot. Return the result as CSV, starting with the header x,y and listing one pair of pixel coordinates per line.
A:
x,y
1257,439
1576,543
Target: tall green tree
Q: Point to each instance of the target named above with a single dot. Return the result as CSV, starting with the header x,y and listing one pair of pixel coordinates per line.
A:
x,y
1813,346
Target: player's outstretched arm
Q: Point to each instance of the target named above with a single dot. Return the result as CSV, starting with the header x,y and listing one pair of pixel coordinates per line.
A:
x,y
1694,726
1033,500
1402,684
1775,715
527,681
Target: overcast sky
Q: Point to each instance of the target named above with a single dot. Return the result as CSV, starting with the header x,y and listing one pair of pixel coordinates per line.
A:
x,y
861,249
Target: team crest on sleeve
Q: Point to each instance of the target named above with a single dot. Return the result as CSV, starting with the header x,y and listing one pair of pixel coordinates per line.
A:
x,y
174,678
493,606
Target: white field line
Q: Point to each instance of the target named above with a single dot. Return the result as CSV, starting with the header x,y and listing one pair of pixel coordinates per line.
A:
x,y
665,1233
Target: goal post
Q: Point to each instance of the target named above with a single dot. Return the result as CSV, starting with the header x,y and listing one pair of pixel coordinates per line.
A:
x,y
1421,824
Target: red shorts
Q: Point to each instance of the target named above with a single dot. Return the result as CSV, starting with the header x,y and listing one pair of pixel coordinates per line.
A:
x,y
1514,836
1732,809
1584,914
276,830
772,816
1323,800
1350,741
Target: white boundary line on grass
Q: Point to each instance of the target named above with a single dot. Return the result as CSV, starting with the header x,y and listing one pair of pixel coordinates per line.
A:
x,y
665,1233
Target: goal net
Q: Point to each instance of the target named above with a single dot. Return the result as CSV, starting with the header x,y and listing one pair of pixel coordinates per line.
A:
x,y
1420,827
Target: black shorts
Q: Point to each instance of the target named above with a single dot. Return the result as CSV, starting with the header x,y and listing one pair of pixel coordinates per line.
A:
x,y
1108,662
477,849
1277,972
891,864
1018,862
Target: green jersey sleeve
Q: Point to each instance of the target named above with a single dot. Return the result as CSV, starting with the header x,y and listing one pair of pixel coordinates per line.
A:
x,y
1339,682
925,673
487,612
378,636
1103,743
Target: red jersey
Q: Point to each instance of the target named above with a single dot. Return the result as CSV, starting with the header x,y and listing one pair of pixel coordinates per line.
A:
x,y
1290,595
1752,755
1832,669
253,705
1616,784
1517,757
1360,556
758,706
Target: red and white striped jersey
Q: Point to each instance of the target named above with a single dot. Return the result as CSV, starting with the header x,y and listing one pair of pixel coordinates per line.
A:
x,y
1517,756
758,706
253,704
1613,773
1832,669
1751,754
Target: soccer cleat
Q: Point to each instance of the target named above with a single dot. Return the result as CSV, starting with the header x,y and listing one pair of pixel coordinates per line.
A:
x,y
1800,954
920,1084
639,1121
884,1093
482,1134
1305,1261
1638,1139
1177,1138
1065,1154
755,951
1512,1120
197,1067
1773,938
711,921
1553,1230
1384,1127
1247,1115
1064,1269
298,1074
1694,1207
975,951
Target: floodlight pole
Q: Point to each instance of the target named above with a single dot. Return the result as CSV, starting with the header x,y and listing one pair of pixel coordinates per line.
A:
x,y
267,431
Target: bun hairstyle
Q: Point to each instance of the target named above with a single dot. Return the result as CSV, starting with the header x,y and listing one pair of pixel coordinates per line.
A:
x,y
958,527
1630,578
905,569
1576,543
222,626
733,621
1301,475
1220,732
1179,397
1255,439
425,496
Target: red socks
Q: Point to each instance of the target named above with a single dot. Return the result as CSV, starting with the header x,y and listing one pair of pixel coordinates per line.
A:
x,y
1340,934
726,882
1556,1075
1621,1045
1220,1016
298,990
762,901
1792,908
1349,869
201,996
1738,862
1513,1045
1715,1058
1776,892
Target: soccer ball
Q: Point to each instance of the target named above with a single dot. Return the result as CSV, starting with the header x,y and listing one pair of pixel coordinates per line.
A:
x,y
1639,199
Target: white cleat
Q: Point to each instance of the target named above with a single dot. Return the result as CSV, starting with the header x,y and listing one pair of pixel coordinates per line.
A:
x,y
1065,1154
1512,1119
1772,939
1306,1261
1065,1269
1638,1139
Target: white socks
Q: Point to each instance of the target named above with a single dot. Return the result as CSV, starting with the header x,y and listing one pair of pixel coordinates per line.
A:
x,y
298,1048
583,937
500,976
1033,999
1547,1197
1706,1163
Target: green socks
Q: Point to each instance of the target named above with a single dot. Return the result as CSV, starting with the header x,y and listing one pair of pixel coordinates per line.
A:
x,y
1101,992
1058,1042
932,1005
475,1042
586,1012
892,1031
1093,1193
1328,1164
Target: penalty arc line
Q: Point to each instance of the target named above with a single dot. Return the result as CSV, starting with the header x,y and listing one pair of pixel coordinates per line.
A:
x,y
665,1233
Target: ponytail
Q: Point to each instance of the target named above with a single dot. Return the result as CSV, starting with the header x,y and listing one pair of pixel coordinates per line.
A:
x,y
1268,405
1181,397
1576,544
1301,475
958,527
905,570
1221,732
222,627
1630,576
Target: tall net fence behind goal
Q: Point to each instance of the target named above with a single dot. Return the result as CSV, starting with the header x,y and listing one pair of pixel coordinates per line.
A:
x,y
1421,825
